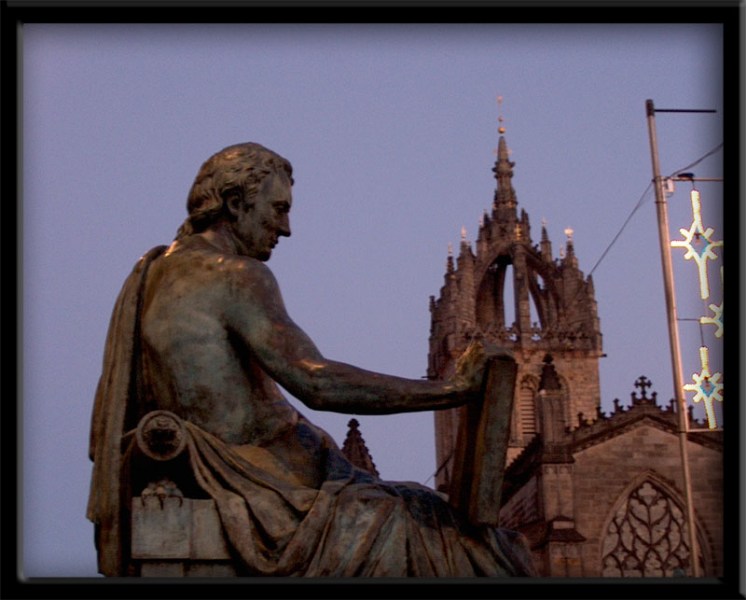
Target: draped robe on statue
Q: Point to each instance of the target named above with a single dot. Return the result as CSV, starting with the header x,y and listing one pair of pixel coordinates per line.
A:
x,y
353,524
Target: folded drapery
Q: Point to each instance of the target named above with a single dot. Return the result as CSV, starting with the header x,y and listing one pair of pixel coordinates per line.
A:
x,y
354,525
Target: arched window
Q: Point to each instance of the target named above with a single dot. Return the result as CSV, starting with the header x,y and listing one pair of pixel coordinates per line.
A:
x,y
647,536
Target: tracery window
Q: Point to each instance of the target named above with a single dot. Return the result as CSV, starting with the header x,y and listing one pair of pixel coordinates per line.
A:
x,y
647,537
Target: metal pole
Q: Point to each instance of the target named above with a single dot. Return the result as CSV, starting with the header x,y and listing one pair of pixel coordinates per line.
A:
x,y
673,333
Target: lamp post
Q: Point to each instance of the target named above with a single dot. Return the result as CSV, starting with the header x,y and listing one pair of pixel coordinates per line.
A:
x,y
673,330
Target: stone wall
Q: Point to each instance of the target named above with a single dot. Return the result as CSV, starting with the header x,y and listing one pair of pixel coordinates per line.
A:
x,y
603,475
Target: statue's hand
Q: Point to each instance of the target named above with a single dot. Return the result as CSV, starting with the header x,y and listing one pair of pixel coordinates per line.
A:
x,y
472,364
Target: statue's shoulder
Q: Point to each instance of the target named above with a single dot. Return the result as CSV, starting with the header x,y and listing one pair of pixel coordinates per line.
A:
x,y
244,271
146,259
193,258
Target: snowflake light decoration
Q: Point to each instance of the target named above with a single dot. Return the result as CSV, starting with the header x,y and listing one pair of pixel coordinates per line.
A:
x,y
706,387
695,236
717,314
716,319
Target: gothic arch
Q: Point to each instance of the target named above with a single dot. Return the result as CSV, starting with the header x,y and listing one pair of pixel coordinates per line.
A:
x,y
491,305
490,300
645,533
543,291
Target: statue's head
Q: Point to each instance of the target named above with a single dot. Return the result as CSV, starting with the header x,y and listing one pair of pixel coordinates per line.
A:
x,y
234,171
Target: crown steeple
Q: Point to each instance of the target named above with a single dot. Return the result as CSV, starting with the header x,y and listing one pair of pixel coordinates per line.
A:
x,y
513,293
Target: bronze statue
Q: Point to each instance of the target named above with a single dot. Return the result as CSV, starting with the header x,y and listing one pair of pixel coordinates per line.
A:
x,y
200,330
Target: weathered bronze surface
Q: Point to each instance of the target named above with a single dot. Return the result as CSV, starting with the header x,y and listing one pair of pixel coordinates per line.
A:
x,y
200,330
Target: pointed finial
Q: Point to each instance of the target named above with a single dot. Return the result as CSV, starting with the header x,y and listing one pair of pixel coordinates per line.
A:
x,y
500,119
356,451
544,234
463,233
570,249
449,261
546,245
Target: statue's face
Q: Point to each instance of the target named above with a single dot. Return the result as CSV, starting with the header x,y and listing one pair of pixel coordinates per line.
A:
x,y
260,226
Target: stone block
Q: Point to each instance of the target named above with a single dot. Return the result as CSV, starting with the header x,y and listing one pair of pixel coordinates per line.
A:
x,y
176,529
161,529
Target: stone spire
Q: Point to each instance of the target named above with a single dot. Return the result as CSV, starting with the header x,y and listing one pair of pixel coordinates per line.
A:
x,y
356,451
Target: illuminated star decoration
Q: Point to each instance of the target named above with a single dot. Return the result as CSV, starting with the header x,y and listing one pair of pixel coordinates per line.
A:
x,y
707,387
717,315
696,234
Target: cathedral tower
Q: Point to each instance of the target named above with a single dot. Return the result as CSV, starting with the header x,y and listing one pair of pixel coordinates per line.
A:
x,y
514,293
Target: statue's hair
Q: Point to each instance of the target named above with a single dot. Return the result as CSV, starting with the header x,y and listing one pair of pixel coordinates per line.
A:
x,y
236,169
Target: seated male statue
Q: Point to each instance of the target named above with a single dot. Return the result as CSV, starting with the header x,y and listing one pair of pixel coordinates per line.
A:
x,y
200,329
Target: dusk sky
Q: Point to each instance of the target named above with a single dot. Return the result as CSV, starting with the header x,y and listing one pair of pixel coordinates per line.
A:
x,y
391,130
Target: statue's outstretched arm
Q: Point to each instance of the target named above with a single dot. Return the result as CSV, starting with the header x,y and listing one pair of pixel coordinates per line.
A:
x,y
257,314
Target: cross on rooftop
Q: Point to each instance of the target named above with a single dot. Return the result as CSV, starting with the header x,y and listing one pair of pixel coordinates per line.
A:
x,y
642,384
